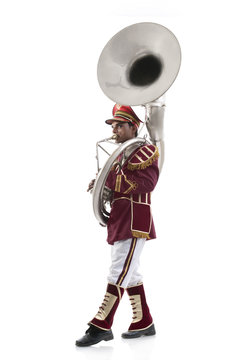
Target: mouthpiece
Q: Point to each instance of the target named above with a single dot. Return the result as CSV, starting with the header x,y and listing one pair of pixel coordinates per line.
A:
x,y
114,137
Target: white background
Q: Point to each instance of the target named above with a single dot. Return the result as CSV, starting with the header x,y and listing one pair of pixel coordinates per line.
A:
x,y
54,255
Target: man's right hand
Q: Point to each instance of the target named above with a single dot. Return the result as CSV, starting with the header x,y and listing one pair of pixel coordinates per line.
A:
x,y
91,184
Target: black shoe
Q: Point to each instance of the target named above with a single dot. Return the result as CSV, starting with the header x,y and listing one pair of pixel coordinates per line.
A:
x,y
137,333
94,335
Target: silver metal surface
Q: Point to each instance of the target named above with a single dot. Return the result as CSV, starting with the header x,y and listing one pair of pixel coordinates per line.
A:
x,y
136,67
108,140
99,209
124,49
154,123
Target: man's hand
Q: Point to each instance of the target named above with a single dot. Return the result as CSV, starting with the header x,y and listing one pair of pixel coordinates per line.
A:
x,y
91,184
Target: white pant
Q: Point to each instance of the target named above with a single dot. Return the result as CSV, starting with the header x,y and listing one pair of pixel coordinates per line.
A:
x,y
124,270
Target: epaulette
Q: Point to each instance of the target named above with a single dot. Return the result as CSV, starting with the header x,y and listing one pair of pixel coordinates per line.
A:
x,y
143,158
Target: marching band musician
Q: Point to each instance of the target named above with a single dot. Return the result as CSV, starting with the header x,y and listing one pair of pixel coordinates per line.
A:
x,y
131,182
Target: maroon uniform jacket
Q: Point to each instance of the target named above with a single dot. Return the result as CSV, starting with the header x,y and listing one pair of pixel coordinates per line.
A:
x,y
132,185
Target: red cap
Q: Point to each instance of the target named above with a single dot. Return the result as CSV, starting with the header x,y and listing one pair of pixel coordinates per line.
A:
x,y
125,114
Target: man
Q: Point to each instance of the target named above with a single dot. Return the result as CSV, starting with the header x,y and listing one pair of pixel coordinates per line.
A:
x,y
130,224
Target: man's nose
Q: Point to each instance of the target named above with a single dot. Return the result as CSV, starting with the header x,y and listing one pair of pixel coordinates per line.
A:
x,y
114,130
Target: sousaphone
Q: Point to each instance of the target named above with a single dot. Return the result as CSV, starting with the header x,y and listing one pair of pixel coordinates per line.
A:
x,y
136,67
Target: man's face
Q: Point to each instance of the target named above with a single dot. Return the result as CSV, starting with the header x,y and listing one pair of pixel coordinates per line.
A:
x,y
123,131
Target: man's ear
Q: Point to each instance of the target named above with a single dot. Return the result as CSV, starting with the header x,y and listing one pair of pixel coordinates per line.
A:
x,y
135,129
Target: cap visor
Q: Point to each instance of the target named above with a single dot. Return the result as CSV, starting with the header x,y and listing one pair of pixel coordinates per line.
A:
x,y
110,121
